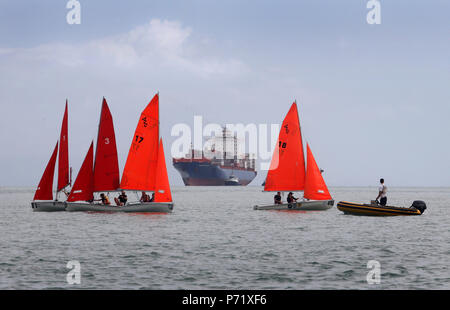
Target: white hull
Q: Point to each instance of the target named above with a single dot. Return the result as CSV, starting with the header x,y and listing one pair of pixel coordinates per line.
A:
x,y
313,205
48,206
160,207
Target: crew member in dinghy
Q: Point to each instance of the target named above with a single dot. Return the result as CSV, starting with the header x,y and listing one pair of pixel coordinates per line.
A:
x,y
382,190
144,197
291,198
104,199
122,199
277,198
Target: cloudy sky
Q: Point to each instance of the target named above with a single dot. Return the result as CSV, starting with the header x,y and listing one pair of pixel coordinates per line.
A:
x,y
374,100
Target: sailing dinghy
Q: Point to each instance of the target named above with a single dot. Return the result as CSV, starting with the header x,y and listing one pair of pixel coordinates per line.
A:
x,y
105,174
145,168
287,171
43,197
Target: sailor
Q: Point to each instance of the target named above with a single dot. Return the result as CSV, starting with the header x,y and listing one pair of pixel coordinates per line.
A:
x,y
291,198
382,190
104,199
144,197
277,198
122,199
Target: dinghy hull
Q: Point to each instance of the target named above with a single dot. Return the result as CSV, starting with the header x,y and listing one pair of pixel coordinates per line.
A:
x,y
375,210
158,207
48,206
316,205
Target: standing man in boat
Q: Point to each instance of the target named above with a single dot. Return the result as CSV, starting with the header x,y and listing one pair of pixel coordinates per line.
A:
x,y
382,190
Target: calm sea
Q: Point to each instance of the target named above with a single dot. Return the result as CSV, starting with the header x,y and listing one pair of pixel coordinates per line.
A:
x,y
215,240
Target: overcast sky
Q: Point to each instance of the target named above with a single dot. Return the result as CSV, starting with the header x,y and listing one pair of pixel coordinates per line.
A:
x,y
374,100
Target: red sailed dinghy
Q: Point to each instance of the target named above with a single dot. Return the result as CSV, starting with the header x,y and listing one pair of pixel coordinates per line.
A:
x,y
287,171
145,168
43,197
103,174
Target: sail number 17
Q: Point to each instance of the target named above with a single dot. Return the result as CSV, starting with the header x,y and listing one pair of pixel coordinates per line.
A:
x,y
139,139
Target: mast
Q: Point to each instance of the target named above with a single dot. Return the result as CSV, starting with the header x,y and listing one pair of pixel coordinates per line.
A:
x,y
157,93
224,144
301,132
159,141
235,147
63,158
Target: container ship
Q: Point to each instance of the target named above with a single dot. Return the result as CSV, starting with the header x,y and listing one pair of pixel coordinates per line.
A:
x,y
218,164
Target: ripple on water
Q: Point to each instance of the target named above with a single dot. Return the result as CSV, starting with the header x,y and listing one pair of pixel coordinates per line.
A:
x,y
220,242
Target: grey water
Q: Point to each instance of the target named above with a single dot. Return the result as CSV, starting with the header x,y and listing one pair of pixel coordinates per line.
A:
x,y
215,240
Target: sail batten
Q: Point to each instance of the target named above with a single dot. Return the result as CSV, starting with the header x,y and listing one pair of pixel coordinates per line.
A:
x,y
106,166
287,167
63,158
44,190
140,168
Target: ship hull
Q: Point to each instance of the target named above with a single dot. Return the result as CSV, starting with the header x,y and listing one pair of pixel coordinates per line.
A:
x,y
206,174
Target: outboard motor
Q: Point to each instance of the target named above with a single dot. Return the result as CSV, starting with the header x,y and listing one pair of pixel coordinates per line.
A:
x,y
419,205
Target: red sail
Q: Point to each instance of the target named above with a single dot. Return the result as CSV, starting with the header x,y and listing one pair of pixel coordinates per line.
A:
x,y
106,167
315,187
63,160
287,168
84,184
162,186
140,169
44,189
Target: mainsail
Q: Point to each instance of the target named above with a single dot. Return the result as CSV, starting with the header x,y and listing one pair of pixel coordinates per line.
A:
x,y
315,187
44,189
140,168
287,168
162,186
106,167
84,184
63,160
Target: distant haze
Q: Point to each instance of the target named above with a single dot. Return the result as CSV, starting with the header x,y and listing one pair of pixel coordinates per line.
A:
x,y
374,100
